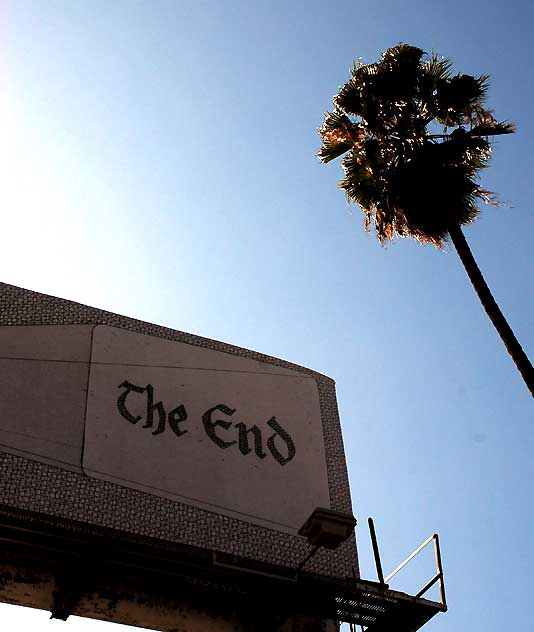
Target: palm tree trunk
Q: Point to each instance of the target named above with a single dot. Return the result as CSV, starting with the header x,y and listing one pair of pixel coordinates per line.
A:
x,y
492,309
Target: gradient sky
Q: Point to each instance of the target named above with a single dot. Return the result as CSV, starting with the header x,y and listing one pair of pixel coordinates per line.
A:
x,y
158,160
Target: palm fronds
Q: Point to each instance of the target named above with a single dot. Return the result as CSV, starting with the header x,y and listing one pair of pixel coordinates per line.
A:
x,y
407,181
338,134
493,129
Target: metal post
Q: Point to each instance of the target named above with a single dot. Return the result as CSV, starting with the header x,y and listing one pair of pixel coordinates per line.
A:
x,y
308,557
376,551
439,568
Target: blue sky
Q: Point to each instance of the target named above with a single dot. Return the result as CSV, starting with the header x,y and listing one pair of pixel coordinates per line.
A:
x,y
158,161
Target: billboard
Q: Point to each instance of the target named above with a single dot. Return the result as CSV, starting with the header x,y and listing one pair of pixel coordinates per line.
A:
x,y
114,422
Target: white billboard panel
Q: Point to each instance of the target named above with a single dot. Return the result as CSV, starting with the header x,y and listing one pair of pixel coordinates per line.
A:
x,y
43,391
218,431
228,434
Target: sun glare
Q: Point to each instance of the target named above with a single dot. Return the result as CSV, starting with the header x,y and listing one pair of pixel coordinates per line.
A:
x,y
41,222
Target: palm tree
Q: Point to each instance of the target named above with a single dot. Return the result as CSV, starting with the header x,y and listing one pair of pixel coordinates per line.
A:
x,y
415,139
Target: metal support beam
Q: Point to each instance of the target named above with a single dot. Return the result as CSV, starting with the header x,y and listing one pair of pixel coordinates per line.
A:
x,y
376,552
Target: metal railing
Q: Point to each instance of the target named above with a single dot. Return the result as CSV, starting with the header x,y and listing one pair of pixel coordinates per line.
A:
x,y
437,553
439,569
385,580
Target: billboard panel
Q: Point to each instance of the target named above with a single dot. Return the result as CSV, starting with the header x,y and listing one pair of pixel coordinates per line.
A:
x,y
43,388
218,432
111,421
